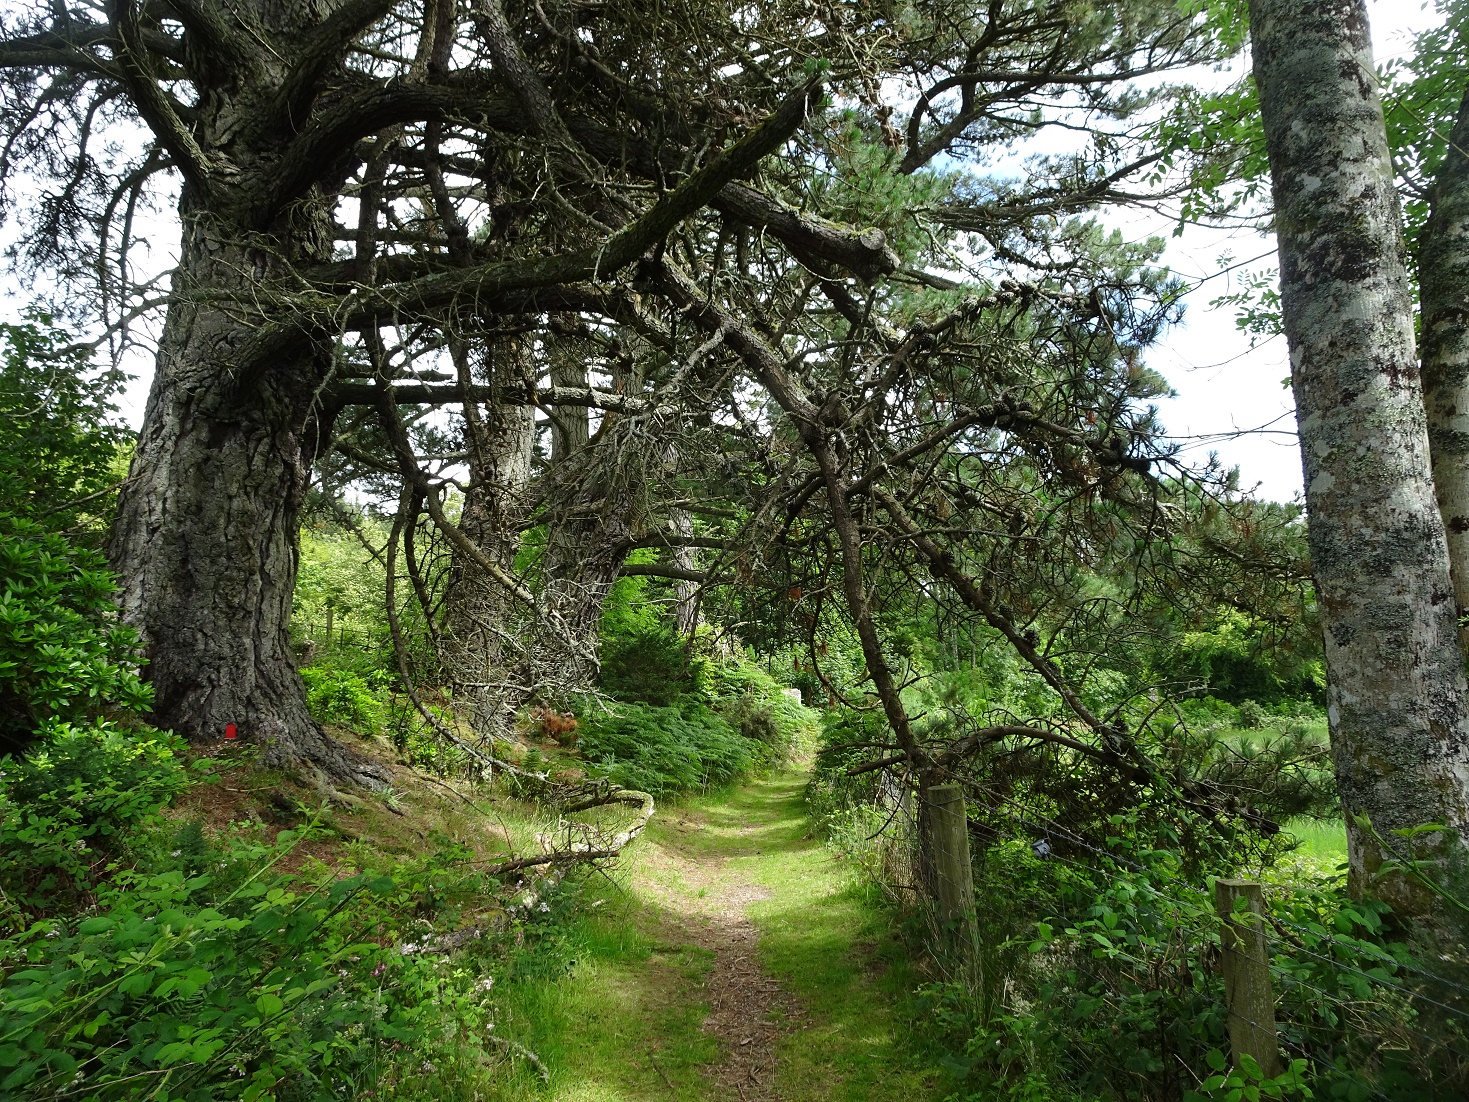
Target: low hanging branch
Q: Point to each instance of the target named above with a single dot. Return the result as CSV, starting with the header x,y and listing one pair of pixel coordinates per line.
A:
x,y
819,429
1119,750
413,475
407,514
971,742
368,394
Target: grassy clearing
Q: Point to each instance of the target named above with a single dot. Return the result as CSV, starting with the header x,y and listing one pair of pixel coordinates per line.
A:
x,y
1320,839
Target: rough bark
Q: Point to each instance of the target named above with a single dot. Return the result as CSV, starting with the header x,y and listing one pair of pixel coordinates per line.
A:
x,y
588,537
478,609
205,539
1397,708
1443,282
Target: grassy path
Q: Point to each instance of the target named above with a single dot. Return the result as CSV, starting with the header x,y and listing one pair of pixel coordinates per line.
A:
x,y
738,960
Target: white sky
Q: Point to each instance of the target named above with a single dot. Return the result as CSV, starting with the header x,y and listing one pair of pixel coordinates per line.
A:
x,y
1224,386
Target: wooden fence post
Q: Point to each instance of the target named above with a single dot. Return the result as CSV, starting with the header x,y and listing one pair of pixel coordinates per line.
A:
x,y
1247,987
953,877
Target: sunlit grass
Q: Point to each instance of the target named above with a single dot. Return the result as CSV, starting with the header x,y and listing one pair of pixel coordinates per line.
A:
x,y
1323,840
614,1009
1254,737
827,936
611,1011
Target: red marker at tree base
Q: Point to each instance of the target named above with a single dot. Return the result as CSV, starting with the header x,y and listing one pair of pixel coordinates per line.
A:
x,y
230,732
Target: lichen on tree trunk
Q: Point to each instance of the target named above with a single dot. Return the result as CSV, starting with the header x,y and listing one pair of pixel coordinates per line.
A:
x,y
1397,695
1443,280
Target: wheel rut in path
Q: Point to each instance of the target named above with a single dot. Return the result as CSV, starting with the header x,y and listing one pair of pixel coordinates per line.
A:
x,y
707,899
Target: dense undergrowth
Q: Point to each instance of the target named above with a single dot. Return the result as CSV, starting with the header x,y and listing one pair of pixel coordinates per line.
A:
x,y
1097,972
183,925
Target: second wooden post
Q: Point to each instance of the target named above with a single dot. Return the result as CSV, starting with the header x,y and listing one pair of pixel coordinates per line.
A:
x,y
1247,987
953,876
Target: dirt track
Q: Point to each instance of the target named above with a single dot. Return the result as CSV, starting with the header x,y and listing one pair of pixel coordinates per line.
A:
x,y
748,1009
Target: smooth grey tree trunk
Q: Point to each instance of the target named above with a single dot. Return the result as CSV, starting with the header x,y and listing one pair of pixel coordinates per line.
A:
x,y
685,592
1443,289
1396,692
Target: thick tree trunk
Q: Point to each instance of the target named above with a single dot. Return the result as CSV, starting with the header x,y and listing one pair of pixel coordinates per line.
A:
x,y
1443,280
205,539
1397,710
586,547
587,541
479,612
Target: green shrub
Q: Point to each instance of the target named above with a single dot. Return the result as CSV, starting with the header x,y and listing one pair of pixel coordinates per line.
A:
x,y
1209,713
59,447
79,796
62,653
759,708
832,794
662,750
276,988
1251,715
337,696
1243,658
649,667
1097,977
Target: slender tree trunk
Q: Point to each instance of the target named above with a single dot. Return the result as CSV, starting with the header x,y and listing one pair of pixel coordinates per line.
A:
x,y
1443,280
685,592
205,539
1397,704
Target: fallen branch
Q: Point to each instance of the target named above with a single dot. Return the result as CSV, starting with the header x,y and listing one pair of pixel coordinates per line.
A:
x,y
549,859
561,861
